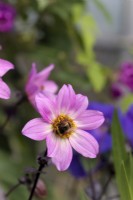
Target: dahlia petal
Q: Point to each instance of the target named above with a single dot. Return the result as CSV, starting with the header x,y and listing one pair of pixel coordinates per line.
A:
x,y
60,151
5,66
66,99
33,72
38,79
63,164
44,74
49,95
31,89
51,142
62,98
90,119
84,143
45,107
36,129
72,97
4,90
81,105
50,86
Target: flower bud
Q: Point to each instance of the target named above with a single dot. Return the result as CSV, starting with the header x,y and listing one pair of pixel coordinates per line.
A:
x,y
40,190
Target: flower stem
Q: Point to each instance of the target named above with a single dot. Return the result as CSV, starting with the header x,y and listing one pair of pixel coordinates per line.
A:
x,y
12,189
105,188
42,164
92,186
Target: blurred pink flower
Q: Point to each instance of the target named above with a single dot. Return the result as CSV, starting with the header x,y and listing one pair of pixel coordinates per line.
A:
x,y
7,16
64,124
117,90
125,75
38,83
5,66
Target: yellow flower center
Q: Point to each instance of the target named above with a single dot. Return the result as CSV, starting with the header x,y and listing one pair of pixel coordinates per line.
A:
x,y
63,126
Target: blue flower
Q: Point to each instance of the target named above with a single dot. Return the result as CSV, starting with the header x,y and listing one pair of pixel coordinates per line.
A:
x,y
103,134
127,125
76,168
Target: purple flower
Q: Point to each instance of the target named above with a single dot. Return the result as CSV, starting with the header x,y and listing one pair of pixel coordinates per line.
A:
x,y
63,124
102,134
5,66
127,125
126,75
76,168
7,16
117,90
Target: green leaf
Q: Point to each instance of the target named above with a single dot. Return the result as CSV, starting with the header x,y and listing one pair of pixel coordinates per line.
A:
x,y
125,184
82,195
119,152
128,164
131,174
123,162
126,101
87,29
77,11
88,32
81,58
97,76
86,56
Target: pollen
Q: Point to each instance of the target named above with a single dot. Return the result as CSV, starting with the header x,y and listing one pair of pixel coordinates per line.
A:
x,y
63,126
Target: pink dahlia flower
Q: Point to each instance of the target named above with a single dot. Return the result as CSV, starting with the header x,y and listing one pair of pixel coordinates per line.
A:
x,y
64,123
38,83
5,66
